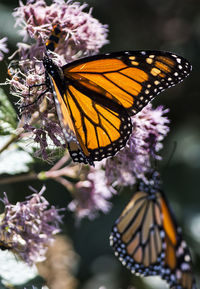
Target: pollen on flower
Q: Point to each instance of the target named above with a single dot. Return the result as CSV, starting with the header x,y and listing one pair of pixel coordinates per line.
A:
x,y
27,228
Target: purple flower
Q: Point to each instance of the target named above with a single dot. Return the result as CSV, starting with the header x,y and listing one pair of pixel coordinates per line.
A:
x,y
92,195
27,228
81,33
150,126
3,47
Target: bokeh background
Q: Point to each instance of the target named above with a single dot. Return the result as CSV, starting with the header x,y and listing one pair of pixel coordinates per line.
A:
x,y
172,25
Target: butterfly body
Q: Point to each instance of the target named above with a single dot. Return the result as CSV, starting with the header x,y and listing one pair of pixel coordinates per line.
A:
x,y
96,96
148,241
53,71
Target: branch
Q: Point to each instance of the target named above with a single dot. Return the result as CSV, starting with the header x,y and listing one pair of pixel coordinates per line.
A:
x,y
21,178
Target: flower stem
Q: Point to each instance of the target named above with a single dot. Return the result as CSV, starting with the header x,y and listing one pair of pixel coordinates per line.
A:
x,y
21,178
12,139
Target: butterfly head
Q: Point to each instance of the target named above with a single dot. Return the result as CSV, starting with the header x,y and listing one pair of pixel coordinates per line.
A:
x,y
52,69
48,62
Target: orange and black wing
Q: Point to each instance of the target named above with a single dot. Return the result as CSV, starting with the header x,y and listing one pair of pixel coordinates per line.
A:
x,y
138,236
102,126
147,241
99,94
177,267
130,78
91,130
103,91
75,144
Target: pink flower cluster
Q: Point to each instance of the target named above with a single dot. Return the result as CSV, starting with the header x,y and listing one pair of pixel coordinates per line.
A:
x,y
3,47
150,126
92,195
27,228
82,34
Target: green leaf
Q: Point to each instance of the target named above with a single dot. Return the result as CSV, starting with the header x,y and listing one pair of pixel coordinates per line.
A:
x,y
8,116
14,159
13,271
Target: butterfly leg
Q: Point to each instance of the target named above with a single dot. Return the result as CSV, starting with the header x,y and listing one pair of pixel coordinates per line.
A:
x,y
27,105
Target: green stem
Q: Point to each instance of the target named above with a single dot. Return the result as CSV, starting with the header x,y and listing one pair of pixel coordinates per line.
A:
x,y
21,178
13,138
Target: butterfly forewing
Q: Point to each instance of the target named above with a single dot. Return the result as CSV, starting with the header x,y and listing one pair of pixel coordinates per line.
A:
x,y
177,268
131,78
63,113
76,147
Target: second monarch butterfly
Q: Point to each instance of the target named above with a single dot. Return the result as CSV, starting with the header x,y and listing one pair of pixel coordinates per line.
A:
x,y
148,241
95,96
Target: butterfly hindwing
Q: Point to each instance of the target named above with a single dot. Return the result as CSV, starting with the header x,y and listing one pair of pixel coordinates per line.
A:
x,y
103,128
147,240
138,237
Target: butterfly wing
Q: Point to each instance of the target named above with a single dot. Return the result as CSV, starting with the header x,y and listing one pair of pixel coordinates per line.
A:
x,y
137,236
177,268
102,125
130,78
91,131
105,89
102,92
147,241
63,112
74,141
77,154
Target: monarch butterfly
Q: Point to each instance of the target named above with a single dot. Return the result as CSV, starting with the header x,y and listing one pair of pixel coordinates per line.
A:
x,y
148,241
95,96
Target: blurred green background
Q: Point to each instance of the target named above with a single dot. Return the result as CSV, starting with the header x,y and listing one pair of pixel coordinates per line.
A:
x,y
146,24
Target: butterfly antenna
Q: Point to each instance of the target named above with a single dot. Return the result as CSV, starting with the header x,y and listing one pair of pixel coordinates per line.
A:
x,y
170,157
